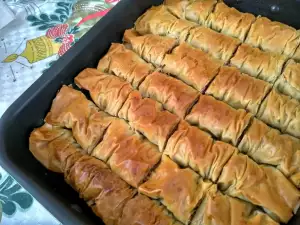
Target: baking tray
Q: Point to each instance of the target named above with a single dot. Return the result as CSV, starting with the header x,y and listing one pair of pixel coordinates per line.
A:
x,y
28,111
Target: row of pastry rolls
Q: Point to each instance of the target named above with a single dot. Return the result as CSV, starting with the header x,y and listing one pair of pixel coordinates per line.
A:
x,y
196,68
183,146
110,198
184,185
258,31
201,71
115,202
262,65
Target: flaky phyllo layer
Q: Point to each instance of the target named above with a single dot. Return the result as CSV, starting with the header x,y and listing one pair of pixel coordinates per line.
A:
x,y
194,119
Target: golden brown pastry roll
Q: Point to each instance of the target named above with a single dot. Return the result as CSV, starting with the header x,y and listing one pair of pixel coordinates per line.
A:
x,y
238,90
289,81
126,64
151,48
230,21
219,119
266,66
199,10
264,186
267,145
273,36
177,7
180,190
216,44
282,112
127,153
72,110
147,117
104,191
144,211
158,20
191,147
51,146
191,65
175,96
217,208
103,88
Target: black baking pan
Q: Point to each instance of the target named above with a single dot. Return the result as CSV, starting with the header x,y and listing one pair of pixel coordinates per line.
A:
x,y
28,111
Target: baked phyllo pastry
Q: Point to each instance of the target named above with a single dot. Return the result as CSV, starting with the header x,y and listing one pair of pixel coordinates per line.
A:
x,y
126,64
266,66
263,186
218,118
230,21
151,48
173,94
180,190
268,146
71,109
191,147
216,44
146,116
238,90
289,81
273,36
217,208
282,112
158,20
103,88
191,65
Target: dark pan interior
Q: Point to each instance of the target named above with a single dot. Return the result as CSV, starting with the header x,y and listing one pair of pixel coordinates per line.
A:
x,y
30,109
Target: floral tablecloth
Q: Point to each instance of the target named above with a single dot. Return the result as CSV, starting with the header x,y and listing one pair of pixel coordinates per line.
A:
x,y
41,32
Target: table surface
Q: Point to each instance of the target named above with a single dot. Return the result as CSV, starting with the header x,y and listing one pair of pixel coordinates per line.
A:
x,y
42,31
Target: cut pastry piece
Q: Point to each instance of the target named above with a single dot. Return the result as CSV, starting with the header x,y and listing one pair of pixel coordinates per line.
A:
x,y
158,20
273,36
104,87
126,64
230,21
282,112
267,145
72,110
151,48
175,96
217,208
199,10
144,211
219,119
191,147
180,190
218,45
191,65
193,10
147,117
104,191
51,146
264,186
238,90
289,81
128,154
266,66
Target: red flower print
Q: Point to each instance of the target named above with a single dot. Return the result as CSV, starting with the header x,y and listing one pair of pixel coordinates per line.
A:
x,y
68,38
111,1
64,48
57,31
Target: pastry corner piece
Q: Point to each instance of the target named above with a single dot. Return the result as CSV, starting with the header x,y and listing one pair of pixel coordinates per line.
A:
x,y
103,191
180,190
264,186
217,208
